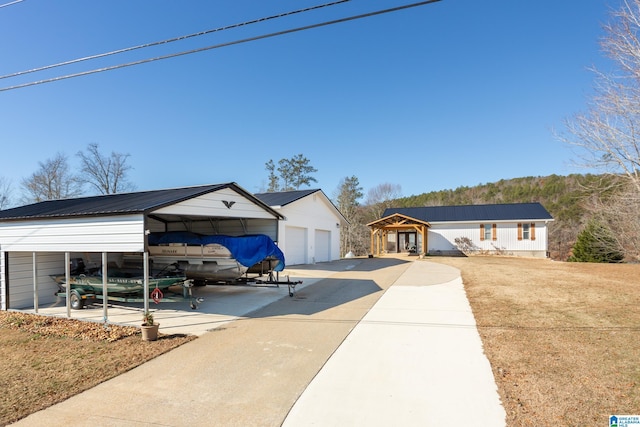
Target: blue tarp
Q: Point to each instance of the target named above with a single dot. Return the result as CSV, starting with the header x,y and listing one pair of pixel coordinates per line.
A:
x,y
248,250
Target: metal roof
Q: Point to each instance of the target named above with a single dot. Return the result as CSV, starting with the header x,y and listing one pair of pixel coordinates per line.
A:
x,y
283,198
471,213
117,204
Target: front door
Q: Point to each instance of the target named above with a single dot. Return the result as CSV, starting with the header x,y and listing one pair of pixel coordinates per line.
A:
x,y
407,241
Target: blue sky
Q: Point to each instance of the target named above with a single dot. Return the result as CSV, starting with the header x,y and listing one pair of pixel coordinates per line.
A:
x,y
454,93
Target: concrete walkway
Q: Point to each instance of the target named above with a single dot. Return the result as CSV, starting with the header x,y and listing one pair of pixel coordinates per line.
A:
x,y
375,342
416,359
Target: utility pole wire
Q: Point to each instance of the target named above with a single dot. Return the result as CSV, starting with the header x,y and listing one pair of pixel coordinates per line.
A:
x,y
167,41
11,3
217,46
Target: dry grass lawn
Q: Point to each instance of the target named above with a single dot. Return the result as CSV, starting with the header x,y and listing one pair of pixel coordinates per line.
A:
x,y
563,339
46,360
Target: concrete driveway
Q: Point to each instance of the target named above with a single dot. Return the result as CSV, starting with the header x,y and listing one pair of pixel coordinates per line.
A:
x,y
251,369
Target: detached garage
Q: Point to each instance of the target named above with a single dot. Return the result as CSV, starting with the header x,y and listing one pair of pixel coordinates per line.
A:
x,y
310,229
39,240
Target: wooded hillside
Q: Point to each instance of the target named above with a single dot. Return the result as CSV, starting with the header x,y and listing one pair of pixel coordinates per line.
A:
x,y
565,197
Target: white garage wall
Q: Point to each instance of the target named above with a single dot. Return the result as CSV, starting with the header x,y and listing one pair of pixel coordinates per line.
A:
x,y
20,279
313,213
122,233
222,203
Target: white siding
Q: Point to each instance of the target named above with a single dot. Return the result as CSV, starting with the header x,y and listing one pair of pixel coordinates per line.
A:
x,y
3,288
441,238
20,279
313,213
212,205
87,234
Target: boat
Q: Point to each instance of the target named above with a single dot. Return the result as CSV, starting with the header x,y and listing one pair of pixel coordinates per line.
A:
x,y
120,281
216,258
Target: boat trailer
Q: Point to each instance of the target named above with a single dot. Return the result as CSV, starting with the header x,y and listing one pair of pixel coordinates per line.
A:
x,y
270,282
79,297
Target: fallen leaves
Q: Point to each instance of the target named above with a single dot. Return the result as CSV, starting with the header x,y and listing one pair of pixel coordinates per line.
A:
x,y
61,327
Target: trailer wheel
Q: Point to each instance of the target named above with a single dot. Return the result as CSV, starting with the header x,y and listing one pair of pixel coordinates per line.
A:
x,y
76,300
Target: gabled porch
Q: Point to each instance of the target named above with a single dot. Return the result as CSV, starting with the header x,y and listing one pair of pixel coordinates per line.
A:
x,y
398,233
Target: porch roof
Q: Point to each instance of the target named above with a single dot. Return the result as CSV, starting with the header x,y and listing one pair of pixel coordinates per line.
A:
x,y
397,221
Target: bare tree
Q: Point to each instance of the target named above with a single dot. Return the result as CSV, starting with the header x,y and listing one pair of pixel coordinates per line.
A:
x,y
382,197
606,136
5,193
51,181
106,174
617,206
353,237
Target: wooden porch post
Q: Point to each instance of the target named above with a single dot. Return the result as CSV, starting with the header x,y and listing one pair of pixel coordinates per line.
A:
x,y
372,251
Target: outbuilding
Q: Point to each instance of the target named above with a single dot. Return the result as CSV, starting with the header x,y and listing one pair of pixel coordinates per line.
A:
x,y
519,229
310,229
37,240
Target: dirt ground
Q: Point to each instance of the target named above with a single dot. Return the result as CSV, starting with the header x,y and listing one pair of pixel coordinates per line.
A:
x,y
563,339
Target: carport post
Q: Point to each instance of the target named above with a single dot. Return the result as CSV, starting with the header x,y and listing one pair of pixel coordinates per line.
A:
x,y
146,280
35,282
105,296
67,280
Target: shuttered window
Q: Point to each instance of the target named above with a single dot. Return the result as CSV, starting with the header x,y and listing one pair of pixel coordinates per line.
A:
x,y
527,231
488,232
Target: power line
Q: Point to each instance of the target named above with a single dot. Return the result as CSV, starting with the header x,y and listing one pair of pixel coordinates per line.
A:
x,y
167,41
11,3
217,46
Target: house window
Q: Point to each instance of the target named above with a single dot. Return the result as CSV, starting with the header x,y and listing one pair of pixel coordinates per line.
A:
x,y
527,231
488,232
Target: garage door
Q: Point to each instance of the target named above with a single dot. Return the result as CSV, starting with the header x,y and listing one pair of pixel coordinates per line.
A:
x,y
295,245
323,246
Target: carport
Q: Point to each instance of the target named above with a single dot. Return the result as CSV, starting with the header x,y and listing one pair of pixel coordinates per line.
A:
x,y
38,240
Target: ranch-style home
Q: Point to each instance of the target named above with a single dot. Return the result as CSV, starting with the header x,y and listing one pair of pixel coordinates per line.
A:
x,y
310,229
519,229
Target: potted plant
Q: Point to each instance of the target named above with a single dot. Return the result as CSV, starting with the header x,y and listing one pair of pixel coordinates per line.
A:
x,y
149,327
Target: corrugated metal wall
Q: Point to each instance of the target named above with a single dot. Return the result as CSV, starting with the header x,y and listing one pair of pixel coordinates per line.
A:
x,y
124,233
20,279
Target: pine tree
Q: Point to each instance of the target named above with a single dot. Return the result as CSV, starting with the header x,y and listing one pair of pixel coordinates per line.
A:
x,y
596,244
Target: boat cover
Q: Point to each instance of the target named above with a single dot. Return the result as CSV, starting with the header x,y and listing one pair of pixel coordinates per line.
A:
x,y
248,250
